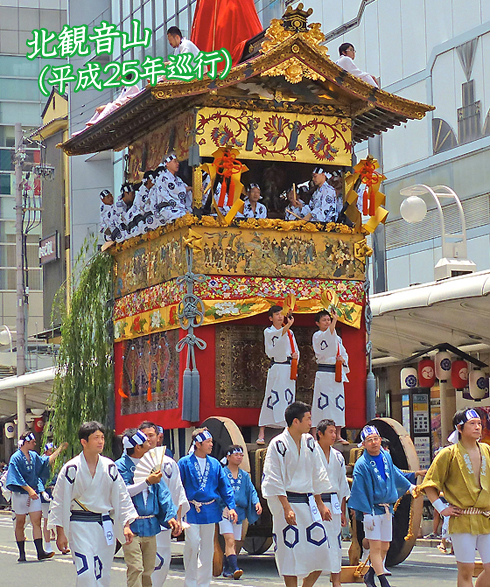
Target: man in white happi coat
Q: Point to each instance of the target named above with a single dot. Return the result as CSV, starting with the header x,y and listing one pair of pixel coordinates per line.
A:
x,y
346,61
328,394
171,477
171,198
335,500
294,480
323,204
179,43
91,507
280,389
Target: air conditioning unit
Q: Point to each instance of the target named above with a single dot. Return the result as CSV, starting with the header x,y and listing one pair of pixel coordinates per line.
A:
x,y
453,267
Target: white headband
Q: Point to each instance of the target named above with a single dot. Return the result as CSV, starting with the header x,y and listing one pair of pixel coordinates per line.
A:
x,y
28,438
169,158
201,437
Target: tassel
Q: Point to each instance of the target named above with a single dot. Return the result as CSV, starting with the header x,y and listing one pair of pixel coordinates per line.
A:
x,y
159,386
365,208
187,395
148,393
195,391
372,203
194,155
120,390
133,387
122,394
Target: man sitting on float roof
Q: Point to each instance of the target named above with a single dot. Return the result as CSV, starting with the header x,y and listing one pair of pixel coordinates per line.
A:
x,y
179,43
323,202
346,61
171,198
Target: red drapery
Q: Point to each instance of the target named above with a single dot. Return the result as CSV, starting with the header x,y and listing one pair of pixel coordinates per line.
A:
x,y
225,23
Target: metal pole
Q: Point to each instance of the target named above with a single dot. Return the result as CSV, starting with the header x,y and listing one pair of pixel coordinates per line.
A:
x,y
19,263
370,379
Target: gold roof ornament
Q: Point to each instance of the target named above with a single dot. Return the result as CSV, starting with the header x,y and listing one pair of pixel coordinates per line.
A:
x,y
293,23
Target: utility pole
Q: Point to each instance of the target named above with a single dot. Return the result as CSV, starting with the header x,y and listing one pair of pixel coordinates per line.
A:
x,y
19,263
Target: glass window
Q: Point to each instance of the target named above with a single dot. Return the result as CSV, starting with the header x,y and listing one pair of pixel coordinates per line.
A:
x,y
35,279
159,16
7,136
7,231
116,13
126,8
7,279
30,114
6,162
11,89
148,16
18,66
7,255
5,184
7,205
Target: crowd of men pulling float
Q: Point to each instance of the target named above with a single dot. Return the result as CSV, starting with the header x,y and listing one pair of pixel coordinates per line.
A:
x,y
96,502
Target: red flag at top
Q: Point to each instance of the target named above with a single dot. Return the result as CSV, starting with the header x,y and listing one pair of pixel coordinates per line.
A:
x,y
225,23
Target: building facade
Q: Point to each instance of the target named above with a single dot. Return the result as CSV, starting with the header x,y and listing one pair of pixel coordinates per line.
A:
x,y
435,52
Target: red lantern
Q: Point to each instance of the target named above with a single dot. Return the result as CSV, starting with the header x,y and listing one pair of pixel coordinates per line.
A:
x,y
427,373
38,424
459,374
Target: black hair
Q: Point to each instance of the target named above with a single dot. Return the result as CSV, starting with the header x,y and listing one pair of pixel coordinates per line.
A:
x,y
343,48
175,32
320,315
296,410
88,428
323,425
148,424
273,310
150,174
128,433
234,447
460,415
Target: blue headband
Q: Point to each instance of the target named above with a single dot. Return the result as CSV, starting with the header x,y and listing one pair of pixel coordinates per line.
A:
x,y
138,438
28,438
48,446
368,431
202,436
469,415
160,430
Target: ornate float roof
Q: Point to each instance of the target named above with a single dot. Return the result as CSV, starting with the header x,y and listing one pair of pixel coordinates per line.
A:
x,y
292,73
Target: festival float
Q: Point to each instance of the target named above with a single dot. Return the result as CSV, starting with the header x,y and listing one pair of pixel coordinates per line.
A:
x,y
191,297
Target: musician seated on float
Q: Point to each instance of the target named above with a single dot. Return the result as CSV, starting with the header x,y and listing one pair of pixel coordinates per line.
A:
x,y
323,203
296,208
123,207
253,208
170,198
109,217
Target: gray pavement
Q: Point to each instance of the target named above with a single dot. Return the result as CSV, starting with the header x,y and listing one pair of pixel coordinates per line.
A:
x,y
424,567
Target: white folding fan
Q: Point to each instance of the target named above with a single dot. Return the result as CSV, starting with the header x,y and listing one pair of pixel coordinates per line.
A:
x,y
151,462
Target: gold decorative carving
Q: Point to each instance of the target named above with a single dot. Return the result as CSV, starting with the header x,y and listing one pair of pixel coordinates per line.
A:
x,y
294,71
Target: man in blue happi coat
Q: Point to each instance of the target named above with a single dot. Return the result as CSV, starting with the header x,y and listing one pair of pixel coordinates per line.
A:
x,y
27,473
155,508
377,485
247,507
207,489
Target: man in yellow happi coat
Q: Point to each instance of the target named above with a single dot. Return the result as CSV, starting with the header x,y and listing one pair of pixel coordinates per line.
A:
x,y
462,473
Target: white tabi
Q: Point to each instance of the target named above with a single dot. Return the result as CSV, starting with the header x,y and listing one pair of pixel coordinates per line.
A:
x,y
335,467
169,198
304,548
328,394
106,494
280,389
171,477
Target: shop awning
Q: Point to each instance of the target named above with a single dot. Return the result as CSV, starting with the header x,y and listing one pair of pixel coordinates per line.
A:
x,y
454,311
37,387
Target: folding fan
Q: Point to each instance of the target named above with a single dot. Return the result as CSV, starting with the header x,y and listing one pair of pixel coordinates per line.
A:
x,y
151,462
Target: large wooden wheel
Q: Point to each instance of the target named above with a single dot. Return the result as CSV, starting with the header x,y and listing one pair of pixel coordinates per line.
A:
x,y
405,458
